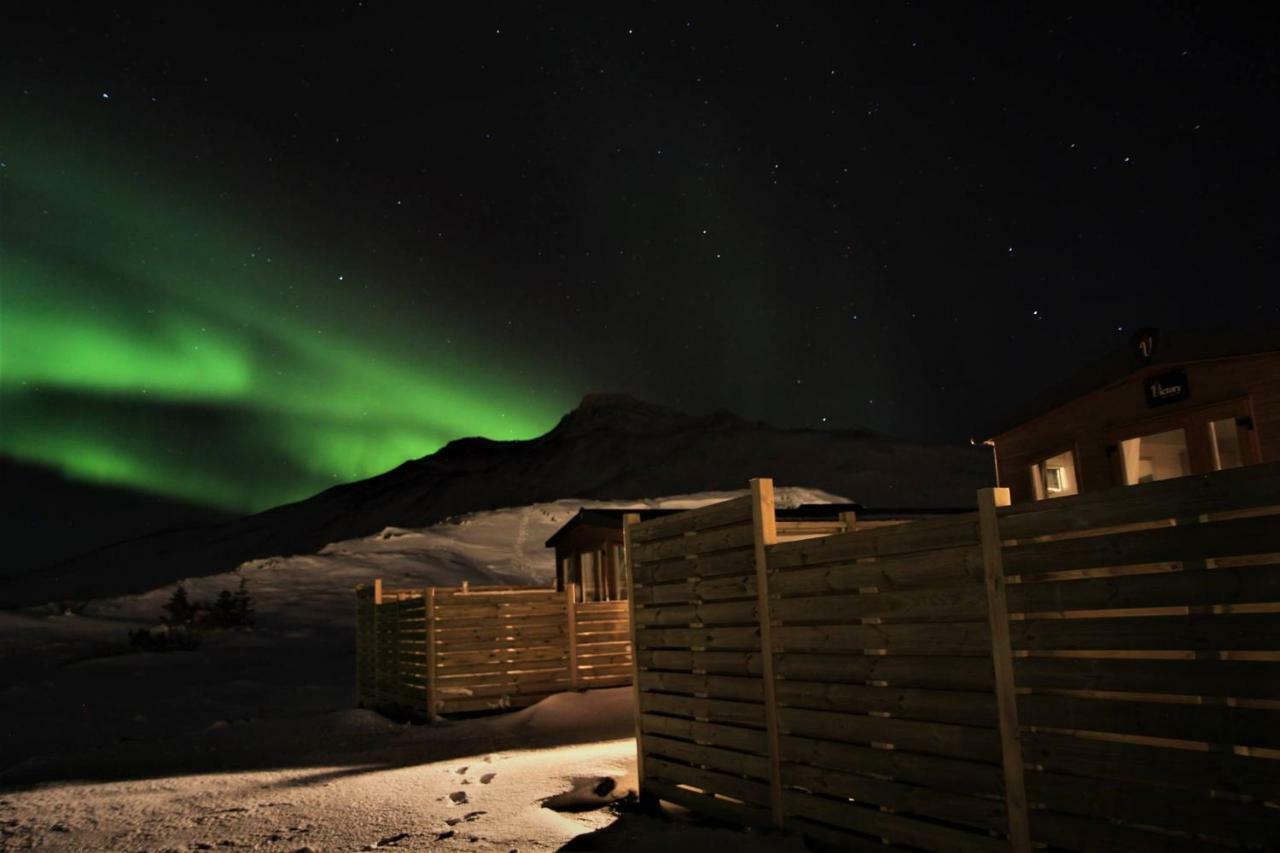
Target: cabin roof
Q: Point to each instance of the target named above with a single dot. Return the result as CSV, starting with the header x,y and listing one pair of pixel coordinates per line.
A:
x,y
1172,349
610,518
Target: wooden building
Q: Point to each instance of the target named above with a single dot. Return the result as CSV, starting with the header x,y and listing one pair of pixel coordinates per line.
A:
x,y
589,552
1172,405
589,546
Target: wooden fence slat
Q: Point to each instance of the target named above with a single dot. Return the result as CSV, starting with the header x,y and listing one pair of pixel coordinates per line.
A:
x,y
721,734
1217,771
1164,807
946,706
1249,584
714,758
1233,537
1224,724
970,742
946,566
738,535
1243,679
1220,632
743,814
710,686
739,561
730,784
701,518
896,828
930,771
954,638
943,672
1072,832
938,604
699,708
900,797
916,537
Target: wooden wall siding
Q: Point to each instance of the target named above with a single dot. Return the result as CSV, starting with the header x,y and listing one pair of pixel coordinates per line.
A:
x,y
1083,424
1093,673
434,651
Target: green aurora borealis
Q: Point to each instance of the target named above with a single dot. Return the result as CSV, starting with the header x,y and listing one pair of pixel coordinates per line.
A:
x,y
153,337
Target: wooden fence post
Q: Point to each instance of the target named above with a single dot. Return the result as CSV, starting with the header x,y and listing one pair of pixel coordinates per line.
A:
x,y
628,520
571,615
766,533
1015,793
429,605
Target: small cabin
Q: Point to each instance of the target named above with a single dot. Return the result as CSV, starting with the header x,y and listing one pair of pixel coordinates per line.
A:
x,y
1170,406
589,546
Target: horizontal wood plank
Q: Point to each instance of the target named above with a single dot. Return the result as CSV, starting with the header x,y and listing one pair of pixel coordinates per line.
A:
x,y
969,742
896,829
1193,769
955,603
700,518
1165,544
949,638
931,771
1204,677
1223,724
948,706
1210,586
1224,632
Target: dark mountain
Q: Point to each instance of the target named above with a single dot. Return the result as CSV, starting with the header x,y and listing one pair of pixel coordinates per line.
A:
x,y
609,447
47,518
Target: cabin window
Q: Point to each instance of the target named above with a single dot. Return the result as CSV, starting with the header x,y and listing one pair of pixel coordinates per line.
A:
x,y
619,574
1225,438
590,585
1055,477
1160,456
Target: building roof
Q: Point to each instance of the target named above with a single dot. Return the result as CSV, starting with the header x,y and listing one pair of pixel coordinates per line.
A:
x,y
1171,349
610,518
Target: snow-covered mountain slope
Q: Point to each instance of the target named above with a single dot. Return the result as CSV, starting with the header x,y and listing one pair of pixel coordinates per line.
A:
x,y
610,447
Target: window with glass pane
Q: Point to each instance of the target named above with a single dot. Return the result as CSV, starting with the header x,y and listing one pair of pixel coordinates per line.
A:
x,y
1055,477
566,570
619,573
1225,438
590,589
1160,456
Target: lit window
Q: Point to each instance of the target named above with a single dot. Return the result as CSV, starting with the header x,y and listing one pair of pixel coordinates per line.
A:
x,y
1225,438
1161,456
1055,477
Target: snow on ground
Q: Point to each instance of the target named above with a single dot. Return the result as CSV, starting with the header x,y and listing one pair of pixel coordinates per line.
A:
x,y
252,739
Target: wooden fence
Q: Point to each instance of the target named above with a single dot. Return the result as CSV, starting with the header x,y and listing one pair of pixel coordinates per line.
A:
x,y
424,652
1099,672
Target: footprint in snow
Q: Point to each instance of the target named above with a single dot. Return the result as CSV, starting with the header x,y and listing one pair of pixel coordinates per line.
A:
x,y
466,818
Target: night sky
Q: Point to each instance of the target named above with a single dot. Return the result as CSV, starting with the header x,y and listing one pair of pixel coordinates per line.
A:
x,y
247,255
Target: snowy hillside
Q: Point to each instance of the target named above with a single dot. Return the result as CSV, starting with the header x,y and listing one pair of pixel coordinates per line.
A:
x,y
609,448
